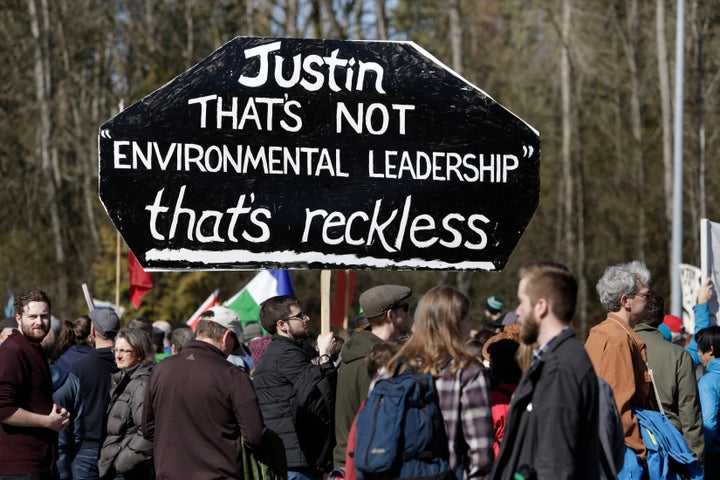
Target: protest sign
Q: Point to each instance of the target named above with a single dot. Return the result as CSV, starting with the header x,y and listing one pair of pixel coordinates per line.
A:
x,y
710,260
303,153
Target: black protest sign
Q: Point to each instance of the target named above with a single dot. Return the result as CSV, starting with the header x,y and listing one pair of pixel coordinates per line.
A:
x,y
301,153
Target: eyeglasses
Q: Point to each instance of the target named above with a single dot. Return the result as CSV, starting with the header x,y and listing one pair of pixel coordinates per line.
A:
x,y
645,295
298,316
122,350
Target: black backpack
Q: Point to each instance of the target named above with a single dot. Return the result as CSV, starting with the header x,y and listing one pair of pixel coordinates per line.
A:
x,y
313,413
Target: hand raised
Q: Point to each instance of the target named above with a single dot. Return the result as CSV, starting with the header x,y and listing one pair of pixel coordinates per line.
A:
x,y
705,292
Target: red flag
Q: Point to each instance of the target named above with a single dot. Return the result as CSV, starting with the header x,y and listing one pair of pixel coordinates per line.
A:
x,y
140,280
209,302
344,289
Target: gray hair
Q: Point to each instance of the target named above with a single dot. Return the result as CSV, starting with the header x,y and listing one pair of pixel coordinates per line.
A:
x,y
619,280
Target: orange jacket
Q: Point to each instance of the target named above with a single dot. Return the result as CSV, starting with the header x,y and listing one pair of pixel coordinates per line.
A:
x,y
618,355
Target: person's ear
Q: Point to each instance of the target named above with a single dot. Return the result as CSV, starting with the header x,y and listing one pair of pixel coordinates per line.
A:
x,y
541,308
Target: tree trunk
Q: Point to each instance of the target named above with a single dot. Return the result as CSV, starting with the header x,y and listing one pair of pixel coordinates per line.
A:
x,y
455,35
291,11
380,19
567,125
48,154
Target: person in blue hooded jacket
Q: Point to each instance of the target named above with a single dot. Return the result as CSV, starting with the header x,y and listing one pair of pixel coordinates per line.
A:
x,y
66,393
708,340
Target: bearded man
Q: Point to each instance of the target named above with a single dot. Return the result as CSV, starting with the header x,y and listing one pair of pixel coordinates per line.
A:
x,y
285,358
552,422
29,420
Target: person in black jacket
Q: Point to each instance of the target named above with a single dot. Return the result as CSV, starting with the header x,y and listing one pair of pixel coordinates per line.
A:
x,y
285,358
552,428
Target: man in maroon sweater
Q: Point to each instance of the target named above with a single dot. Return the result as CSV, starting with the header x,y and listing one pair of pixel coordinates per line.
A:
x,y
29,421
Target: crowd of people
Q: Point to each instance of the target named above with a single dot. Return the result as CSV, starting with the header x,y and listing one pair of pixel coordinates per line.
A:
x,y
520,398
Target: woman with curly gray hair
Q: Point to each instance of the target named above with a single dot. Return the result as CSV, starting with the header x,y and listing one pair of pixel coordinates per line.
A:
x,y
126,454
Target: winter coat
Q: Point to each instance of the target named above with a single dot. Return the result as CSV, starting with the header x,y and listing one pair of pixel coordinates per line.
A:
x,y
66,393
198,408
275,375
352,388
125,449
552,424
709,386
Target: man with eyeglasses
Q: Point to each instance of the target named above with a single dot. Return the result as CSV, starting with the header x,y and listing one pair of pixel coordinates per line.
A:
x,y
284,360
617,353
94,371
386,308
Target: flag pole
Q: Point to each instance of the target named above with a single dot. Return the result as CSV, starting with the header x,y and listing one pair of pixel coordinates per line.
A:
x,y
347,299
325,301
117,270
121,107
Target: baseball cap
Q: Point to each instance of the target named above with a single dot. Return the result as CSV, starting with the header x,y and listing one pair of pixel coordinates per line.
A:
x,y
229,319
105,321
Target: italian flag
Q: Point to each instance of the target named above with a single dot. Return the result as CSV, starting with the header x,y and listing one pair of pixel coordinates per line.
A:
x,y
266,284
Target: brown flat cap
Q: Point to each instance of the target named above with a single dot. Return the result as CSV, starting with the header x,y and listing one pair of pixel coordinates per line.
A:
x,y
378,300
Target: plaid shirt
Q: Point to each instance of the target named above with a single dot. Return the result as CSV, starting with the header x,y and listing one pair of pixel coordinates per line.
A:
x,y
466,410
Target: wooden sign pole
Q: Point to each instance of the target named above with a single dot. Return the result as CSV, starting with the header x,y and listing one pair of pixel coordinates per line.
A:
x,y
325,301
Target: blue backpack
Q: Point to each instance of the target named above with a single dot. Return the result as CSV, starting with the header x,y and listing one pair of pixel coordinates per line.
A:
x,y
400,431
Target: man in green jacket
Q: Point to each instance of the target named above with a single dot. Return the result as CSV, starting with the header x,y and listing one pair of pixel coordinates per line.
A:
x,y
386,308
674,376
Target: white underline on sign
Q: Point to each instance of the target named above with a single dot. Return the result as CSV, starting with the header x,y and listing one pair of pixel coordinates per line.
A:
x,y
213,257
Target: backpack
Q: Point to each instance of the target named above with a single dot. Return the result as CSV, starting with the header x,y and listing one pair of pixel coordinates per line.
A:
x,y
313,413
400,431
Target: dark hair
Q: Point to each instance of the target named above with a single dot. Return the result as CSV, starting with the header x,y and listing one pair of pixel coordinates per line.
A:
x,y
654,309
708,338
142,323
180,336
379,355
32,295
274,309
74,333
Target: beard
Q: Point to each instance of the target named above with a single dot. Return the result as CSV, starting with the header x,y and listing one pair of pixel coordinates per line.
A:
x,y
300,333
35,335
529,330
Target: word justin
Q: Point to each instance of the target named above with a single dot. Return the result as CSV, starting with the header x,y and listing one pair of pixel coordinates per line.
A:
x,y
311,73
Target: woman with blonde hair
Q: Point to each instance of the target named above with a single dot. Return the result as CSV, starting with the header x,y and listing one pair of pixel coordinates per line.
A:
x,y
437,347
126,454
